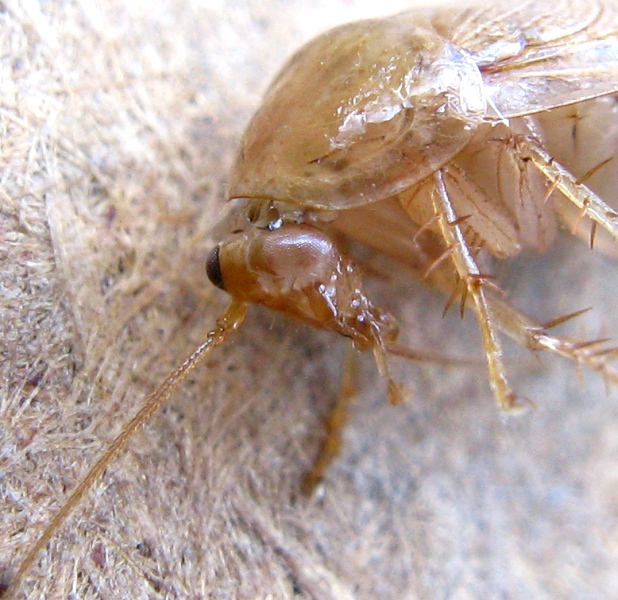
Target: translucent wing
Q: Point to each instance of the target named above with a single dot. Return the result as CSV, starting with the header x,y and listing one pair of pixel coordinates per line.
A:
x,y
539,55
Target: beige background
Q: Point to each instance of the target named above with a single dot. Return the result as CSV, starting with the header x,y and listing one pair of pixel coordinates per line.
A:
x,y
118,126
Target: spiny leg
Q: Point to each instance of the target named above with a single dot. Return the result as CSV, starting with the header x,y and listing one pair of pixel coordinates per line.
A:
x,y
573,190
533,335
594,354
474,280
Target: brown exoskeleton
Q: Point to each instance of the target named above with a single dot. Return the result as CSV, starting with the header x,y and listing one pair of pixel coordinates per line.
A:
x,y
444,140
434,140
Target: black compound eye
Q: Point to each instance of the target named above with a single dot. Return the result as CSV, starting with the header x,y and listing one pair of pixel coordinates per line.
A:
x,y
213,269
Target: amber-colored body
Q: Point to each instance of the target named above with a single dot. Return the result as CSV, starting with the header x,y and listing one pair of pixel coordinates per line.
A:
x,y
441,139
444,139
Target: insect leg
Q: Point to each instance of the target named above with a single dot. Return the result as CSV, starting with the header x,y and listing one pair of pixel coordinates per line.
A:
x,y
579,194
474,281
594,354
335,423
526,331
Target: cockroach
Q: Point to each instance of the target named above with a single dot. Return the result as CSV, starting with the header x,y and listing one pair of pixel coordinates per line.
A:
x,y
445,139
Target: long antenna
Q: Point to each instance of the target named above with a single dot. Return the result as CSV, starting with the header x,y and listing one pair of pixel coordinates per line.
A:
x,y
229,321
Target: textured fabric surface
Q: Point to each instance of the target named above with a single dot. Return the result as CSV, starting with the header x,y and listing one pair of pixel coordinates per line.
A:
x,y
119,124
